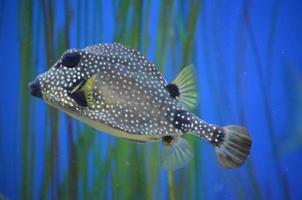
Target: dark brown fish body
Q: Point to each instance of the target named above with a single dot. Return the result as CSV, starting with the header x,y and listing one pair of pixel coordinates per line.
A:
x,y
117,90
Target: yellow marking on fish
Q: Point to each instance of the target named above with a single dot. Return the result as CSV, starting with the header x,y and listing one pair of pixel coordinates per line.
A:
x,y
88,90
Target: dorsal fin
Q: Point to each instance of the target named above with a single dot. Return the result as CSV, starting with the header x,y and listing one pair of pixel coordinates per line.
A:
x,y
185,82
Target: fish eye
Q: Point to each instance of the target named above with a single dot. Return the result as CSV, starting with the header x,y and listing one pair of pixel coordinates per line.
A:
x,y
71,59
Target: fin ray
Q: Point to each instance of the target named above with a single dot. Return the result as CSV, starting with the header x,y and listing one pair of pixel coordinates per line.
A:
x,y
186,83
235,148
176,154
87,89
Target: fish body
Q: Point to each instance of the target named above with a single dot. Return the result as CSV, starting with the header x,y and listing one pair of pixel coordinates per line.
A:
x,y
116,90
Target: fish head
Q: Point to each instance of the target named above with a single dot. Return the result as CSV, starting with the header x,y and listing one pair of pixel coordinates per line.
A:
x,y
56,85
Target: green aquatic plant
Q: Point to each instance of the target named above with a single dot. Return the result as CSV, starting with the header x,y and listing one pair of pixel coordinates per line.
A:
x,y
292,141
240,68
129,32
132,171
266,101
27,71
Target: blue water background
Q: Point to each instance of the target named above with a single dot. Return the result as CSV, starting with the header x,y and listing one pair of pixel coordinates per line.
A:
x,y
215,57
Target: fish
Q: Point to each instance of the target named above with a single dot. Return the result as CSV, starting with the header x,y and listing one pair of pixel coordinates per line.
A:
x,y
117,90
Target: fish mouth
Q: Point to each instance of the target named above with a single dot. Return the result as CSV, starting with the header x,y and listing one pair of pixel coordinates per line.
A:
x,y
35,88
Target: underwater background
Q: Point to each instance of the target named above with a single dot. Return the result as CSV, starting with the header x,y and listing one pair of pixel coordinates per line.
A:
x,y
248,61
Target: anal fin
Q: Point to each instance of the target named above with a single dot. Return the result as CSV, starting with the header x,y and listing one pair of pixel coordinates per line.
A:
x,y
175,153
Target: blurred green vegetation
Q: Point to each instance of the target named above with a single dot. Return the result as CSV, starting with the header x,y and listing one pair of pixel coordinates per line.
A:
x,y
125,161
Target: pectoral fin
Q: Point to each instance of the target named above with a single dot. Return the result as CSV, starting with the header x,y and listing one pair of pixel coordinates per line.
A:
x,y
82,93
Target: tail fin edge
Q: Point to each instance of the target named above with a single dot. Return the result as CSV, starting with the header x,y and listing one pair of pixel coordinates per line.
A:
x,y
235,147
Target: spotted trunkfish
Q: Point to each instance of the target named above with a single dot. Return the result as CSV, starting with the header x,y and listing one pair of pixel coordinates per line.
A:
x,y
116,90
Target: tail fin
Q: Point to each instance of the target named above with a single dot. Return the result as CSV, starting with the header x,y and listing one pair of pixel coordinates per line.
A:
x,y
235,147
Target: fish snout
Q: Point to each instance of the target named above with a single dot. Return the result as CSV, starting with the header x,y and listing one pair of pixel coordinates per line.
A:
x,y
35,88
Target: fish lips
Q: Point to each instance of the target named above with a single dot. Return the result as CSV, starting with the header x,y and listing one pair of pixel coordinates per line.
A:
x,y
35,88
